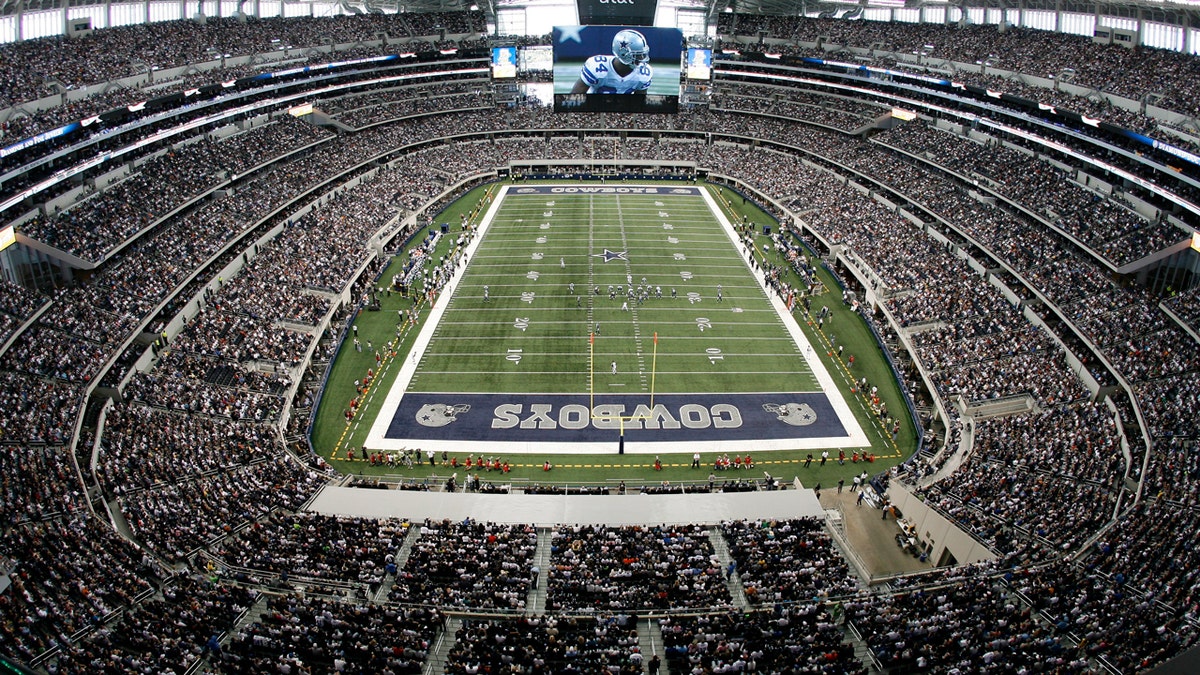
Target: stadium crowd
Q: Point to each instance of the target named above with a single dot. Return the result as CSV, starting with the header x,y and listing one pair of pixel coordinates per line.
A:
x,y
468,565
176,518
1115,148
115,52
316,546
792,103
37,482
143,447
190,464
786,561
168,633
70,572
1110,68
1108,619
297,634
544,645
949,629
1113,231
610,569
792,638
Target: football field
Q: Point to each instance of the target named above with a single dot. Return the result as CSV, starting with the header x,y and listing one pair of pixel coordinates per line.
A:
x,y
588,313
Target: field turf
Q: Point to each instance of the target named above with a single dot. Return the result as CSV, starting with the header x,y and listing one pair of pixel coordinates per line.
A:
x,y
540,244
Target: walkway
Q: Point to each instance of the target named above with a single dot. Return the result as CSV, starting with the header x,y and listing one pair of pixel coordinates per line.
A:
x,y
611,510
872,538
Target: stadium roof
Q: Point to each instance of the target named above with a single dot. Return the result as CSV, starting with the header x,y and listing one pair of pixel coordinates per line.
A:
x,y
1179,12
1176,12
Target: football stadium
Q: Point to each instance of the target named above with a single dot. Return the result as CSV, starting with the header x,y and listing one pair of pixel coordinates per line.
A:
x,y
575,336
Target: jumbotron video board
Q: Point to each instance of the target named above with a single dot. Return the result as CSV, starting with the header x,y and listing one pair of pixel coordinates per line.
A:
x,y
699,64
617,69
504,62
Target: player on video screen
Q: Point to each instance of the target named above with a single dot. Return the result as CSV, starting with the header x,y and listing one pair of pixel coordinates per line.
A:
x,y
627,71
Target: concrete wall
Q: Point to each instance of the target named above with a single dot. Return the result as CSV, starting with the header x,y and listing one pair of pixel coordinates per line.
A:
x,y
935,529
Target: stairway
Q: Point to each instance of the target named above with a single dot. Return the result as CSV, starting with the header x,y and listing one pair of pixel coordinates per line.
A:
x,y
402,554
118,520
650,640
536,602
861,651
443,642
253,613
721,549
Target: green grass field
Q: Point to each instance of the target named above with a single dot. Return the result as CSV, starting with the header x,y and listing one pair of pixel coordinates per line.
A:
x,y
534,334
472,348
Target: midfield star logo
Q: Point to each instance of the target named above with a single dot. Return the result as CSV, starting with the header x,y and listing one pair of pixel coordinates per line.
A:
x,y
610,256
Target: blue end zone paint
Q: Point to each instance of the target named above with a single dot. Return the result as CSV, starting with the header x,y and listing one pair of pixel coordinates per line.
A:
x,y
565,418
603,190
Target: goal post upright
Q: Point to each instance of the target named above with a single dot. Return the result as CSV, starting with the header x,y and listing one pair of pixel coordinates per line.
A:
x,y
653,369
621,419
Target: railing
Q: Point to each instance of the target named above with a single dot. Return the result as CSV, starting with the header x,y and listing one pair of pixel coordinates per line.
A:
x,y
995,407
437,482
876,664
84,632
268,578
843,544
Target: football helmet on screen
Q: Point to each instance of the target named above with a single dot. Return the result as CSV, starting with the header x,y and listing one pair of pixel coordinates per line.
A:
x,y
630,48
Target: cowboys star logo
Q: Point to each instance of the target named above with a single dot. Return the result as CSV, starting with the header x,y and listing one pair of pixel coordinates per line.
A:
x,y
795,414
439,414
609,256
